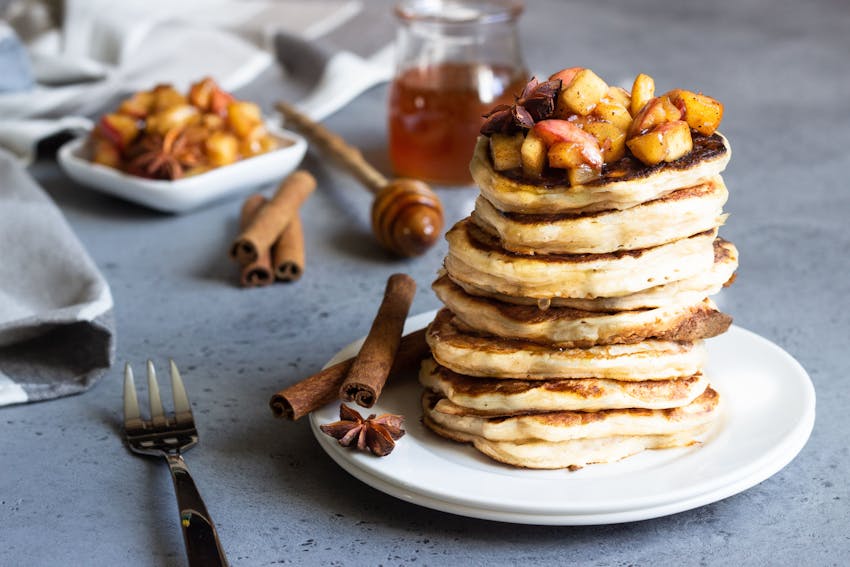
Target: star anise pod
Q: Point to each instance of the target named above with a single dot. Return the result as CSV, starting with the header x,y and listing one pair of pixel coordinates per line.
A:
x,y
535,103
164,157
375,434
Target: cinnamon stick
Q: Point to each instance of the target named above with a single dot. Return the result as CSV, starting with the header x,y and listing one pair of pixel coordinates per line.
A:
x,y
315,391
288,252
260,271
273,219
371,366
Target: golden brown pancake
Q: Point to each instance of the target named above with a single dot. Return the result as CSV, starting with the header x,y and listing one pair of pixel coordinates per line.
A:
x,y
570,327
477,258
567,425
494,357
572,454
688,290
625,183
677,215
489,397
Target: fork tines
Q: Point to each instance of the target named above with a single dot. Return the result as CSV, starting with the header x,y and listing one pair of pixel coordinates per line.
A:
x,y
182,408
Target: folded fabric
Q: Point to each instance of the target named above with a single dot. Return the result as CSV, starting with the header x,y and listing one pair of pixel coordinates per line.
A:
x,y
56,327
105,49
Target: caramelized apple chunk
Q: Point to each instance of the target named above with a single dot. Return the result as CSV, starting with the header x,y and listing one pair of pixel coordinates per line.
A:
x,y
611,139
106,153
119,129
657,111
554,131
618,95
583,174
643,90
222,149
582,93
243,117
702,113
664,142
506,151
533,155
613,113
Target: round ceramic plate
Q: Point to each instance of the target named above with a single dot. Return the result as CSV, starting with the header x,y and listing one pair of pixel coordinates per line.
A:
x,y
768,410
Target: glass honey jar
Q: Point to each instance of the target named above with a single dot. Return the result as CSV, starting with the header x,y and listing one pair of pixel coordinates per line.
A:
x,y
455,61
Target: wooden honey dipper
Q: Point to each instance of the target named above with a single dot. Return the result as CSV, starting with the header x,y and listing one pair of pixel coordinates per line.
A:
x,y
407,215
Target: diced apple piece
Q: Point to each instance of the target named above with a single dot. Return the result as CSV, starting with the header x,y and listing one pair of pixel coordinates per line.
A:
x,y
212,121
119,129
165,120
219,101
566,76
138,106
702,113
565,155
665,142
657,111
506,150
554,131
615,114
583,174
243,117
582,93
222,148
533,154
105,153
612,140
200,93
643,90
618,95
165,97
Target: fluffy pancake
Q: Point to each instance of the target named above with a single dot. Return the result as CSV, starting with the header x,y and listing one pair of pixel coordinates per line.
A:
x,y
624,184
573,454
477,258
677,215
569,327
493,357
567,425
465,395
689,290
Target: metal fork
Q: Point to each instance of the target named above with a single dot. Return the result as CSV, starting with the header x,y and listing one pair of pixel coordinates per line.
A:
x,y
168,437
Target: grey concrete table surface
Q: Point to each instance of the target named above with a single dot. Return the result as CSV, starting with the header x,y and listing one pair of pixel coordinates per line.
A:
x,y
71,494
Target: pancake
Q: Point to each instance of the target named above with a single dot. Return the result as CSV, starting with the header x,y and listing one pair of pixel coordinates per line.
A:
x,y
569,327
477,258
493,357
465,395
677,215
689,290
567,425
624,184
572,454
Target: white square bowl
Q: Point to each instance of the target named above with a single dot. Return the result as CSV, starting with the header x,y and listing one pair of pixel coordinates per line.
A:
x,y
186,194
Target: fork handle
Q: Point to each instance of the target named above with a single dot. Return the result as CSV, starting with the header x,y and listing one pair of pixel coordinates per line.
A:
x,y
203,547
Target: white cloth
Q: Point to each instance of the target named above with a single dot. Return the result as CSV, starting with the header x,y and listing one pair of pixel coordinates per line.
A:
x,y
56,328
107,48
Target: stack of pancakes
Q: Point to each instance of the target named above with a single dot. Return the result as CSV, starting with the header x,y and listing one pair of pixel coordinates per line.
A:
x,y
575,316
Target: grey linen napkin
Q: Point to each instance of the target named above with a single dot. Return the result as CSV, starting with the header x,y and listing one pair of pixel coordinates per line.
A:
x,y
56,326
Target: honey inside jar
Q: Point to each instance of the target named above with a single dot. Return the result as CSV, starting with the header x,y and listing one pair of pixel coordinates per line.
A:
x,y
435,113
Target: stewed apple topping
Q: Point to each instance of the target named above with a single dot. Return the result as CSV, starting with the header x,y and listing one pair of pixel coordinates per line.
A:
x,y
577,123
163,134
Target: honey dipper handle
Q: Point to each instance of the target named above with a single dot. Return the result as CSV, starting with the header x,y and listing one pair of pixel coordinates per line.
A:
x,y
334,146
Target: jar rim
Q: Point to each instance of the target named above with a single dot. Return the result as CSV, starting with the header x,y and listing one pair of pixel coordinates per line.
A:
x,y
459,11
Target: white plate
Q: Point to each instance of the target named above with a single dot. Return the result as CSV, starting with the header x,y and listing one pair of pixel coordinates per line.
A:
x,y
768,410
188,193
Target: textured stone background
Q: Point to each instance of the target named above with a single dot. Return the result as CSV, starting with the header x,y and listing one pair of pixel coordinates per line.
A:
x,y
71,493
